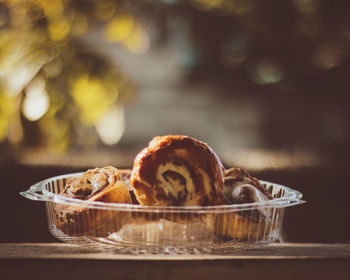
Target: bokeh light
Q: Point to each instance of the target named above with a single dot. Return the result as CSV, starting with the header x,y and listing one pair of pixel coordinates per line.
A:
x,y
79,51
92,97
36,101
138,42
59,29
124,29
111,126
119,28
265,71
48,76
328,55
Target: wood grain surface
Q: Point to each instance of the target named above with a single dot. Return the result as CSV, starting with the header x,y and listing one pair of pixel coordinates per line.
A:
x,y
276,261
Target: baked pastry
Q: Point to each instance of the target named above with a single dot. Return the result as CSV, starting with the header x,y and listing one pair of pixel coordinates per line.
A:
x,y
241,188
125,175
99,184
177,170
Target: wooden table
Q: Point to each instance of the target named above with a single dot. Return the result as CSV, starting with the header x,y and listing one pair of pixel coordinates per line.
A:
x,y
276,261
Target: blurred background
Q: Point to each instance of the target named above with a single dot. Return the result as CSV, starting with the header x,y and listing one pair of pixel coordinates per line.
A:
x,y
266,83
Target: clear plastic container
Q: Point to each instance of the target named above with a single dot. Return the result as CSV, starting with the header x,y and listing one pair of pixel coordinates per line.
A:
x,y
136,229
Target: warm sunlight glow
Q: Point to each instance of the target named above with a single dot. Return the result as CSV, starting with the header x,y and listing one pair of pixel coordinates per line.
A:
x,y
36,101
119,28
18,78
59,29
92,98
111,126
138,42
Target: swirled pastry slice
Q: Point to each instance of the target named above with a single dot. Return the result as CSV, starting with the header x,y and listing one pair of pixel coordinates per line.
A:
x,y
240,187
176,170
251,224
99,184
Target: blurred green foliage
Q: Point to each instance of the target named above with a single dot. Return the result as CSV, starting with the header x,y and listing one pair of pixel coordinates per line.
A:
x,y
50,79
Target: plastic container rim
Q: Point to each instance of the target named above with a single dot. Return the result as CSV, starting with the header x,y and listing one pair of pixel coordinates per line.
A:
x,y
39,192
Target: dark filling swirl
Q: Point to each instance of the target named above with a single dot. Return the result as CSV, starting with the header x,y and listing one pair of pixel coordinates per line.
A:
x,y
172,177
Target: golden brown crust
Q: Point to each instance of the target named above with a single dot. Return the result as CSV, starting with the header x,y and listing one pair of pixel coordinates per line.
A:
x,y
177,170
99,184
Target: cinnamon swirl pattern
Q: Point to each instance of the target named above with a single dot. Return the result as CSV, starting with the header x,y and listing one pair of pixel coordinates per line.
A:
x,y
240,187
177,171
99,184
